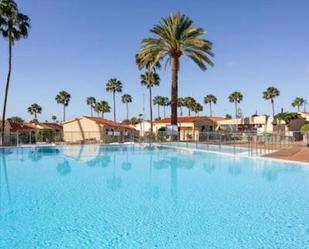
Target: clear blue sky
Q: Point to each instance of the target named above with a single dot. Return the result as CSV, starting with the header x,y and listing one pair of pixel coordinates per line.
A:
x,y
78,45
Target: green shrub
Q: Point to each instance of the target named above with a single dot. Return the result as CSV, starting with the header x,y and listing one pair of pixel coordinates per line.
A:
x,y
304,129
286,116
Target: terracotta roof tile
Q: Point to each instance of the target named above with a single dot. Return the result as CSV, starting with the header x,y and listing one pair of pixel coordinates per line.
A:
x,y
109,123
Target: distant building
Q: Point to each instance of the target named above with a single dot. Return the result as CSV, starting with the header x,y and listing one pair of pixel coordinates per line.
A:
x,y
143,127
189,127
87,129
255,123
261,124
304,115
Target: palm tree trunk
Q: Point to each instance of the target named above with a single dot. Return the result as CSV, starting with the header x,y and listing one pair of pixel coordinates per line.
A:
x,y
158,111
114,104
189,112
6,88
180,111
235,109
103,115
127,107
35,116
150,110
210,110
174,90
164,112
63,112
273,106
91,111
298,108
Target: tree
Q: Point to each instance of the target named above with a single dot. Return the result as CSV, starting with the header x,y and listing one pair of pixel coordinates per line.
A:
x,y
176,37
228,116
236,98
150,79
158,101
126,99
63,98
114,86
196,108
210,99
54,118
180,104
13,26
270,94
166,102
91,102
287,116
189,103
102,107
16,119
35,109
298,102
304,129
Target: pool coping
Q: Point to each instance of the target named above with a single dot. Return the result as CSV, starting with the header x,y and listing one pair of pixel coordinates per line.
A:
x,y
239,155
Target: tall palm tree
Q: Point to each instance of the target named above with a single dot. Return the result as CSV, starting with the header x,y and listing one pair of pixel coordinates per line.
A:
x,y
298,102
102,107
180,104
175,37
166,102
13,26
270,94
91,102
34,109
210,99
150,79
158,100
126,99
63,98
114,86
236,98
189,103
196,108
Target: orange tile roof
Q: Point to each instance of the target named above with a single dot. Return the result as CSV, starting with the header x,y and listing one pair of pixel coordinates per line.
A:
x,y
192,119
20,127
109,123
53,126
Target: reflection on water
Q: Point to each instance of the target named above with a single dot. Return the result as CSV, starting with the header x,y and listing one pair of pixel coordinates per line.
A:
x,y
37,154
234,169
3,167
151,191
102,161
126,166
115,182
64,168
209,167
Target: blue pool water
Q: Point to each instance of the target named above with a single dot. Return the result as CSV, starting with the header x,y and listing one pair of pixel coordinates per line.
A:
x,y
144,198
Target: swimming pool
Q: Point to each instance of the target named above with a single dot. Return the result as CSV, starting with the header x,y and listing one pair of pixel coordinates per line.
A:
x,y
128,196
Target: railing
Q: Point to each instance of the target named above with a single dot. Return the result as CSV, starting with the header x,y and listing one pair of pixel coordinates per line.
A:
x,y
50,137
236,142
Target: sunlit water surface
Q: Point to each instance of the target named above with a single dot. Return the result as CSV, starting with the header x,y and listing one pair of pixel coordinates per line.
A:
x,y
143,198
